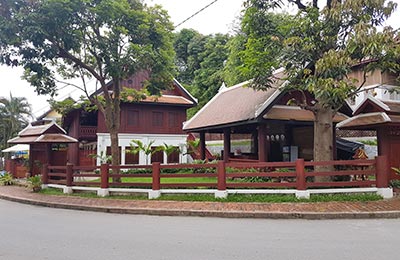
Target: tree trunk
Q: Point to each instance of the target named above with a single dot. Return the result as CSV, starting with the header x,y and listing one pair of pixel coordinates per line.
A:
x,y
323,140
112,118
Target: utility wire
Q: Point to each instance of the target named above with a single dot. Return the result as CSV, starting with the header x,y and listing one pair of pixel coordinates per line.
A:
x,y
196,13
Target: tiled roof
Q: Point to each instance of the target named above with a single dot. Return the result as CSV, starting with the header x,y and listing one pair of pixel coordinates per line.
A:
x,y
40,129
368,121
295,113
230,105
44,138
50,133
168,99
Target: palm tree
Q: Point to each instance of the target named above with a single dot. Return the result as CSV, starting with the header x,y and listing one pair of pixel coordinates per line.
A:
x,y
15,113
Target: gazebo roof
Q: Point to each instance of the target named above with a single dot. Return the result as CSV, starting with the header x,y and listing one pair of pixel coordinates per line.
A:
x,y
295,113
49,133
241,104
231,105
371,113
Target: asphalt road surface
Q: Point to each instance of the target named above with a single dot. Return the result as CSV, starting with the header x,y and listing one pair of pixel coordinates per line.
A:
x,y
30,232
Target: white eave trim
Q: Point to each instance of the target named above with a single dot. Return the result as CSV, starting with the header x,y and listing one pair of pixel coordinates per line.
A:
x,y
185,90
385,117
373,100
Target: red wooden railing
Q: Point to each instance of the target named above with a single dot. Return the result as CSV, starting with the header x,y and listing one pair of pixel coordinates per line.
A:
x,y
88,132
299,175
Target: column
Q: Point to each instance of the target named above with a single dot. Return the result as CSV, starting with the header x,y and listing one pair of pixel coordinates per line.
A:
x,y
227,144
262,150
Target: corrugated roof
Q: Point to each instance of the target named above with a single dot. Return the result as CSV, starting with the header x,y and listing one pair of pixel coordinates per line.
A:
x,y
230,105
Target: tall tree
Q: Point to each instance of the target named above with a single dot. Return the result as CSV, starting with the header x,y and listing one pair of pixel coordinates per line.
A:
x,y
321,47
209,77
107,40
15,113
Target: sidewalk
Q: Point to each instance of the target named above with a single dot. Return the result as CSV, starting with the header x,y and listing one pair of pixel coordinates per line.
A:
x,y
326,210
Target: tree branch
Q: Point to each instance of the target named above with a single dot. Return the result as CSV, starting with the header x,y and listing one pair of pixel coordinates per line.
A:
x,y
299,4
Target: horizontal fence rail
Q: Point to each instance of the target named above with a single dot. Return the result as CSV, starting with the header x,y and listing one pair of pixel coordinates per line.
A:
x,y
299,175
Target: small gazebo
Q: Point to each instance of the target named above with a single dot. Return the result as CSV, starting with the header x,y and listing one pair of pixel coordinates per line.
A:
x,y
382,116
47,145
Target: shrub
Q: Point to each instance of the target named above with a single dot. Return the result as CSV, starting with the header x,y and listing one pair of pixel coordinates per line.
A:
x,y
35,183
6,179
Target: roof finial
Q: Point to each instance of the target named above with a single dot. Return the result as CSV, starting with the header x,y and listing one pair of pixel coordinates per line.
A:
x,y
223,87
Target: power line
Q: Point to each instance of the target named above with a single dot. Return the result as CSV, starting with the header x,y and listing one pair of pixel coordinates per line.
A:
x,y
196,13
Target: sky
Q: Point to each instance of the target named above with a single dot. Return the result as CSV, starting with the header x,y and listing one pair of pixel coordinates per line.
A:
x,y
217,18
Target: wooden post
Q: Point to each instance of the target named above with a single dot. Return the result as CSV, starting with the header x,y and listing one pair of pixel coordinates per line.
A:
x,y
262,151
156,176
227,144
45,174
382,171
13,168
300,175
221,176
69,172
202,145
104,175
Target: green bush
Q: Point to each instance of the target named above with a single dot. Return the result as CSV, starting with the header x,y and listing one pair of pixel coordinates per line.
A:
x,y
6,179
35,183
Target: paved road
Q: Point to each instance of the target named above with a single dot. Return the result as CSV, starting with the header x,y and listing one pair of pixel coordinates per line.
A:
x,y
30,232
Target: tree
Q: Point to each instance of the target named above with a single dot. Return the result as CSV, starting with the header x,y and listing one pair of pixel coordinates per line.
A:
x,y
107,40
320,48
14,116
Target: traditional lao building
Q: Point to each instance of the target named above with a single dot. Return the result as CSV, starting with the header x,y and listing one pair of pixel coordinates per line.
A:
x,y
382,116
48,145
275,130
157,120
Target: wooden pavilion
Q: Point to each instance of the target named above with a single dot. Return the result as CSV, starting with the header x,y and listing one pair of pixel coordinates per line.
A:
x,y
279,132
382,116
48,144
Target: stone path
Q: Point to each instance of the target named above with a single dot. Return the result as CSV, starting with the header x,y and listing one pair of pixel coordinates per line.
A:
x,y
323,210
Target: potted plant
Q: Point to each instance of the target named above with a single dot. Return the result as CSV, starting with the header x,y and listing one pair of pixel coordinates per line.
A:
x,y
35,183
395,184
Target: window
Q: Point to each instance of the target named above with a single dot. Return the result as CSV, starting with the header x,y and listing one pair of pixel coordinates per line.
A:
x,y
108,153
133,118
173,119
158,119
131,158
173,157
157,156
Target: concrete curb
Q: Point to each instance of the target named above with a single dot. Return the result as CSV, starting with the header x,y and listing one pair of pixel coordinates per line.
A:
x,y
210,213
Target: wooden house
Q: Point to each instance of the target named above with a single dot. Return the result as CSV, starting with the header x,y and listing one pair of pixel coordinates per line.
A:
x,y
154,119
276,131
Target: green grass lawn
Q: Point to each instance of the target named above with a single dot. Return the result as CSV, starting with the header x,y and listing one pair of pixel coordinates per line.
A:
x,y
263,198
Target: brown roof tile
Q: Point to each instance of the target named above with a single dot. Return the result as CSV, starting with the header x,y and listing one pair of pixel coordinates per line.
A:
x,y
367,121
169,99
280,112
40,129
230,105
45,138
